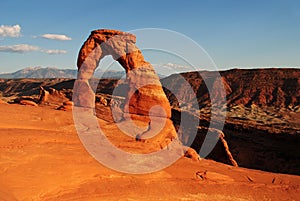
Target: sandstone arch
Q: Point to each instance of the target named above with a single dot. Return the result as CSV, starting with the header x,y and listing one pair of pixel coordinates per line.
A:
x,y
145,90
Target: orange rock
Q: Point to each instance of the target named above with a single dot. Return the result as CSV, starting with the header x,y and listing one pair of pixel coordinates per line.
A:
x,y
102,101
85,96
68,103
2,102
65,107
191,153
145,96
51,97
145,90
28,102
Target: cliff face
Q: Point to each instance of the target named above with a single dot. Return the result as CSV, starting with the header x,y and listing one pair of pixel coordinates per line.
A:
x,y
262,126
266,87
262,87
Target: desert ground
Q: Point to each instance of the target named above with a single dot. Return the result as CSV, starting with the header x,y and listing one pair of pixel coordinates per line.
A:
x,y
42,158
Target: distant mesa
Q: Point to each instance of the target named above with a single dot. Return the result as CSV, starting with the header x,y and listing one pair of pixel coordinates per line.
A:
x,y
276,87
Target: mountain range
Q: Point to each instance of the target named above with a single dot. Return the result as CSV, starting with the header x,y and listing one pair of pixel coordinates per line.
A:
x,y
52,72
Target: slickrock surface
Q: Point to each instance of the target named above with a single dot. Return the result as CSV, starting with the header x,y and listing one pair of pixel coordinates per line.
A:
x,y
43,159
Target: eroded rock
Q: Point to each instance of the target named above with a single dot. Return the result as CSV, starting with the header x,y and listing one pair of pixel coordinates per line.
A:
x,y
145,90
52,97
67,106
28,102
191,153
145,99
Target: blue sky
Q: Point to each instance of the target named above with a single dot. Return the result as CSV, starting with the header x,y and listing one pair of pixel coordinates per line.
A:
x,y
234,33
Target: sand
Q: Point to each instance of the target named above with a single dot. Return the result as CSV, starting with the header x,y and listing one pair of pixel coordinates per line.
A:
x,y
42,158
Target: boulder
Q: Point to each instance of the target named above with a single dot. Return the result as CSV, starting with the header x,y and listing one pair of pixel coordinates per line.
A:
x,y
28,102
192,154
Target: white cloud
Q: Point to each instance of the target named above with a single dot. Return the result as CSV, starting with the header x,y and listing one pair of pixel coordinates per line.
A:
x,y
23,48
10,31
55,51
56,37
177,66
173,66
20,48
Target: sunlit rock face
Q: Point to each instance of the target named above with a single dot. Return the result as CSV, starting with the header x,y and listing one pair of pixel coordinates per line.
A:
x,y
145,100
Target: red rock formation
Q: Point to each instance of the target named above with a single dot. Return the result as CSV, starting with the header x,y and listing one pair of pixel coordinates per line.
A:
x,y
225,147
191,153
262,87
28,102
51,97
145,98
261,126
145,89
